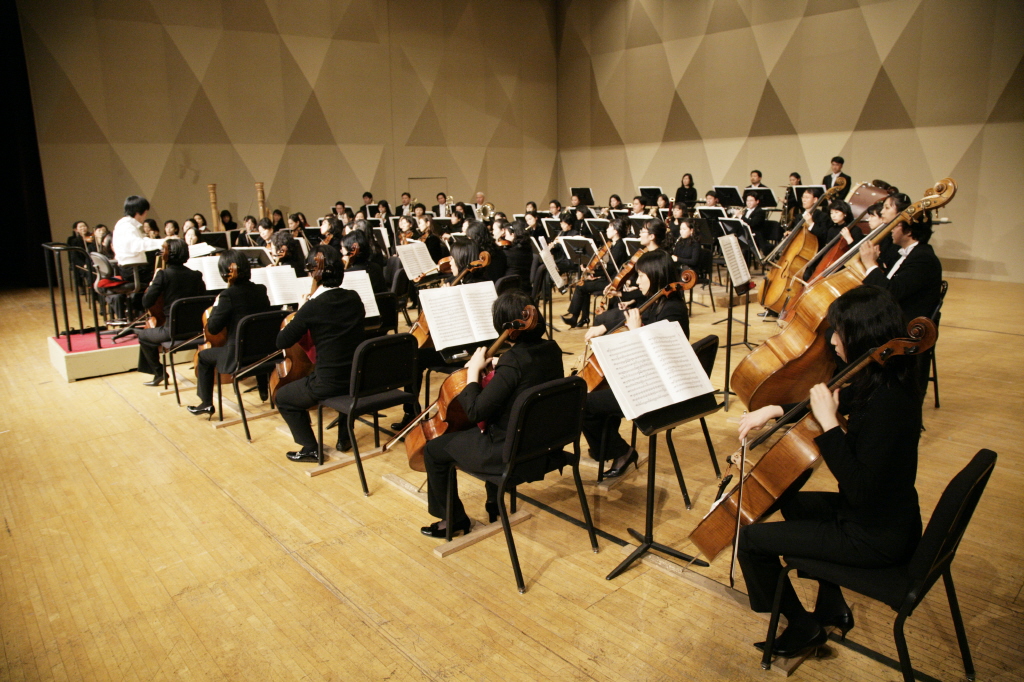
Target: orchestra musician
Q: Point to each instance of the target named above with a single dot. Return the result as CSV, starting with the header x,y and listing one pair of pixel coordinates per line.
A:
x,y
518,254
435,246
277,218
840,216
200,221
555,208
479,234
334,318
639,207
478,203
149,227
355,251
227,221
441,208
676,218
687,192
531,360
596,282
754,216
287,251
614,204
405,208
755,179
171,229
369,208
874,520
654,236
686,252
662,203
190,232
602,415
241,298
837,172
170,283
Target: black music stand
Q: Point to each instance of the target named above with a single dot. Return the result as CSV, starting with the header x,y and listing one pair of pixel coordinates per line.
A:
x,y
729,196
651,424
728,335
765,196
650,194
586,197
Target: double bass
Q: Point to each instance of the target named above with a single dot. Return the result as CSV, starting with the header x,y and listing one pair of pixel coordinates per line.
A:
x,y
420,329
863,197
793,454
449,415
300,357
798,248
785,366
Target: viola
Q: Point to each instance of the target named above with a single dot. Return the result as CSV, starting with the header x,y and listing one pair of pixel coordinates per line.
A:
x,y
590,369
420,329
783,368
219,339
300,357
793,454
449,415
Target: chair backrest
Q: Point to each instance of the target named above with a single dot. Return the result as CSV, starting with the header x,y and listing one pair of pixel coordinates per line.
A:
x,y
383,363
545,418
507,283
186,315
943,288
707,350
104,266
400,284
387,305
705,261
949,520
256,336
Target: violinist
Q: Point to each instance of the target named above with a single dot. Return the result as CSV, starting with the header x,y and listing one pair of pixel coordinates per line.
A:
x,y
288,252
687,192
518,253
407,230
241,298
530,361
498,230
170,283
103,240
435,246
595,282
654,272
480,234
874,520
686,252
541,277
355,250
654,236
334,319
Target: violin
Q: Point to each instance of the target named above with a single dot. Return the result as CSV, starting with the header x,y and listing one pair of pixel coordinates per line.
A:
x,y
219,339
785,366
420,329
300,357
793,454
449,415
625,271
353,251
597,260
504,243
590,369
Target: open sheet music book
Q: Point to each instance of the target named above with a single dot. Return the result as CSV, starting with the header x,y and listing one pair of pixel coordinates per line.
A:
x,y
211,274
359,282
459,315
651,367
200,249
415,258
283,287
734,261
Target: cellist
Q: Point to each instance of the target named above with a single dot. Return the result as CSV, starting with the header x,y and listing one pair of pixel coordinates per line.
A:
x,y
532,360
334,318
874,520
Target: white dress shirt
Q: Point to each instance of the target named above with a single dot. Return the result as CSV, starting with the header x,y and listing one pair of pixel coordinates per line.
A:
x,y
130,243
903,256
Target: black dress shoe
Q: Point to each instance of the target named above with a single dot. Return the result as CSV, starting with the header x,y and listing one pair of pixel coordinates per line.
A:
x,y
201,409
406,418
633,458
492,511
787,649
264,393
343,445
157,380
303,455
842,621
432,531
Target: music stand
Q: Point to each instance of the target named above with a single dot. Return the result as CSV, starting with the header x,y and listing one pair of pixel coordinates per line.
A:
x,y
618,213
650,194
765,195
651,424
729,195
586,197
546,299
215,239
440,226
552,226
580,250
369,210
745,286
663,213
632,246
639,222
256,255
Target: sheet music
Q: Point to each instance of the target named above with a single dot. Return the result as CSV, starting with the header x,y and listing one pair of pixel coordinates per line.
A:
x,y
459,315
386,235
675,358
211,274
359,282
200,249
281,283
415,258
549,263
479,299
738,272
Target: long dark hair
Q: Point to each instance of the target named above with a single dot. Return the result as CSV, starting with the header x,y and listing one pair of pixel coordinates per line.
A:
x,y
663,236
865,318
508,307
481,236
840,205
660,270
464,253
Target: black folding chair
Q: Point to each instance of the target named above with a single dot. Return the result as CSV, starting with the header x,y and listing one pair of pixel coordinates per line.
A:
x,y
387,306
903,587
401,287
382,368
544,420
933,370
186,329
507,283
109,284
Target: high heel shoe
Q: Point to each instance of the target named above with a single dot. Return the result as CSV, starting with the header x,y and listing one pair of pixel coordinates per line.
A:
x,y
633,459
787,649
492,511
842,621
569,320
433,531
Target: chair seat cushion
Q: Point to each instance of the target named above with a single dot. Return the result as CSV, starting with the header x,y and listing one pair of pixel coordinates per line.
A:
x,y
887,585
370,403
532,470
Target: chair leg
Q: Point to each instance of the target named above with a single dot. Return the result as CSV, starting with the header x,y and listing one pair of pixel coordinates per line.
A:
x,y
241,408
408,322
220,398
711,295
958,624
507,527
711,447
320,435
163,363
773,624
679,472
426,386
376,429
935,378
174,376
583,503
901,647
351,421
513,500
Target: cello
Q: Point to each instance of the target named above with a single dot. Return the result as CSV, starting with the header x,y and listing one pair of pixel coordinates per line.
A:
x,y
798,248
793,454
450,416
863,197
786,365
300,357
589,369
420,329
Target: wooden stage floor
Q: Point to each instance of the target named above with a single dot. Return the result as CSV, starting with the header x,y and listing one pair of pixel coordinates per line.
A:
x,y
140,543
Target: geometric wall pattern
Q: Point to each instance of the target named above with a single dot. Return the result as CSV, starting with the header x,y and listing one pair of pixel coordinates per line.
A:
x,y
319,100
523,99
908,91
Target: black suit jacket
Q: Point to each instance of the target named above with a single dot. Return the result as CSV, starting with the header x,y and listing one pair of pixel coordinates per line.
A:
x,y
173,282
916,284
756,220
334,320
234,303
827,181
436,210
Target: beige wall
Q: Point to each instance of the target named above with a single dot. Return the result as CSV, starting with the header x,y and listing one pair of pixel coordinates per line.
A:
x,y
322,100
319,100
909,91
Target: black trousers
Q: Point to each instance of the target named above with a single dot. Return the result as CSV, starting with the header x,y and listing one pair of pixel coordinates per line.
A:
x,y
206,372
149,349
294,401
602,414
437,461
580,304
812,529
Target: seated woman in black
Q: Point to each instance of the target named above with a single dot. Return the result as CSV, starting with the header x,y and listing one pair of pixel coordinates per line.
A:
x,y
532,360
289,252
435,246
686,252
654,236
481,235
874,520
355,251
567,228
840,218
655,271
596,283
614,204
518,254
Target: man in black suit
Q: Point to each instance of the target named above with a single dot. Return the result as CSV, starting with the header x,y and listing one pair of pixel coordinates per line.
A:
x,y
440,209
754,216
837,172
241,298
334,319
174,281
